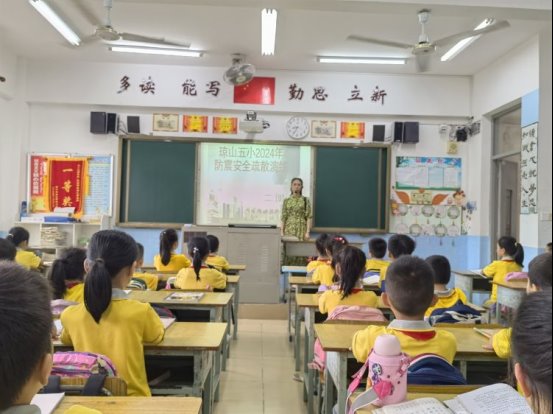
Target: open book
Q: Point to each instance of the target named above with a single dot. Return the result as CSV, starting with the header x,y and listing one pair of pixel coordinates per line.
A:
x,y
185,297
167,322
47,402
371,280
494,399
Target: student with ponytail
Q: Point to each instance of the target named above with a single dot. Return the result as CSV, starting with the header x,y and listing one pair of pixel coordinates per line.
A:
x,y
324,274
349,264
108,323
511,259
19,236
67,275
167,260
200,275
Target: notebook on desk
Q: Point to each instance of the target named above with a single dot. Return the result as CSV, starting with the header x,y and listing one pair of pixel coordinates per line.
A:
x,y
493,399
47,402
167,322
185,297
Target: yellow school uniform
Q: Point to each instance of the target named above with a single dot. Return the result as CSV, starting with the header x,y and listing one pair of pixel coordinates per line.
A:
x,y
209,279
331,299
148,278
75,293
502,343
177,262
324,275
218,262
315,264
121,334
415,337
376,265
499,269
447,299
27,259
383,272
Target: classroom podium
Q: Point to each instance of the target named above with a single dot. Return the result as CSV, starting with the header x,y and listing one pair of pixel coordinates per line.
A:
x,y
256,247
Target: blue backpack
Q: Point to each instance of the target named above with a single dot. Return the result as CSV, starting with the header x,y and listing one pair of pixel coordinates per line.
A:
x,y
431,369
458,313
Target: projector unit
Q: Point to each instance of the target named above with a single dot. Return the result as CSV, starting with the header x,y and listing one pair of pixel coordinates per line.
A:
x,y
251,127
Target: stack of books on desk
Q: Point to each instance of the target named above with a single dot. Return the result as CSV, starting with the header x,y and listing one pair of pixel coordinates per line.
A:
x,y
185,297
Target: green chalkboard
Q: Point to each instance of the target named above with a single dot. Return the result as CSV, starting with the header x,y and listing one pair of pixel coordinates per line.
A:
x,y
351,189
157,182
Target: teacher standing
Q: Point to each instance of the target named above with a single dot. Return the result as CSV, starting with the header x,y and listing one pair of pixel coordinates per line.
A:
x,y
296,213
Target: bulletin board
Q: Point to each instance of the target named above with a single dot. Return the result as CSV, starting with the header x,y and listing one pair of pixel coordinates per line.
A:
x,y
82,182
428,173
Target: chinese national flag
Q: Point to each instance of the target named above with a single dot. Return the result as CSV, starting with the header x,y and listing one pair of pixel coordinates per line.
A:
x,y
259,91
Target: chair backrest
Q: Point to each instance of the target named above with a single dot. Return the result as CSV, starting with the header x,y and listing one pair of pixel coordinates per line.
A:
x,y
113,386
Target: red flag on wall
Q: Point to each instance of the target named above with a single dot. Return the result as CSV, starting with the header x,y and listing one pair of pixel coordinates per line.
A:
x,y
67,178
259,91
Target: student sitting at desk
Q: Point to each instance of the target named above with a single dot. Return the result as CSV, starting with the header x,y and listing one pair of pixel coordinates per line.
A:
x,y
532,350
539,279
108,323
200,276
377,250
67,275
442,275
324,275
349,264
148,278
167,260
218,262
398,245
7,250
511,259
410,292
20,239
322,259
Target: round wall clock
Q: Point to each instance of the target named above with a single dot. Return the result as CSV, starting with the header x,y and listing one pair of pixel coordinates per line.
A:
x,y
297,127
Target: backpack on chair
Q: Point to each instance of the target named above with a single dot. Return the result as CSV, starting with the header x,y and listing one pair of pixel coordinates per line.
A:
x,y
458,313
349,313
432,369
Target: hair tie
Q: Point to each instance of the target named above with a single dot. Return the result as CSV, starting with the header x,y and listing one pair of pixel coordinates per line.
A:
x,y
195,250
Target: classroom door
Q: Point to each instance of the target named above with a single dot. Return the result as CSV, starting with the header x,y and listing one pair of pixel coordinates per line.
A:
x,y
506,180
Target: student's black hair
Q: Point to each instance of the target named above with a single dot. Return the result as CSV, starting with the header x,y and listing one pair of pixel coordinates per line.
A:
x,y
410,285
512,248
167,240
531,345
321,242
198,249
292,182
139,252
378,247
539,271
401,245
109,252
18,235
441,267
213,243
25,328
549,247
7,250
334,243
70,266
352,263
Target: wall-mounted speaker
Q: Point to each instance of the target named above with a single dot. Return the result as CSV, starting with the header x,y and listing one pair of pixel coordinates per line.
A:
x,y
379,133
112,124
398,132
411,132
133,124
98,123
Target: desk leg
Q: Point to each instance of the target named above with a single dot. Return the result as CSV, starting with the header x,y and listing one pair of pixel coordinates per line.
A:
x,y
208,393
329,393
309,344
236,306
290,319
226,343
297,338
463,367
217,375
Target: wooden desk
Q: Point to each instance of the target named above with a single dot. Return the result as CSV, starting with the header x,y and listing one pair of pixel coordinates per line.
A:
x,y
216,303
509,294
413,396
296,285
336,340
138,405
234,270
471,282
201,341
286,274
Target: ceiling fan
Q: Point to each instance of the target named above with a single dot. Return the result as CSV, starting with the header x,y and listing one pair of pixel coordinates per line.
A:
x,y
107,33
424,48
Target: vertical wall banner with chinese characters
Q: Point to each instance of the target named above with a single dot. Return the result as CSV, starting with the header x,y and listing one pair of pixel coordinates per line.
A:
x,y
39,200
529,170
68,182
225,125
355,130
259,91
194,123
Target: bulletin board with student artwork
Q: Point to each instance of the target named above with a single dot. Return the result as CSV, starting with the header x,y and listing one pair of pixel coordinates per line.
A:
x,y
77,183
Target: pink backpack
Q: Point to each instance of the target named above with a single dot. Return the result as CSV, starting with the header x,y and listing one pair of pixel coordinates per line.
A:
x,y
82,364
516,276
345,313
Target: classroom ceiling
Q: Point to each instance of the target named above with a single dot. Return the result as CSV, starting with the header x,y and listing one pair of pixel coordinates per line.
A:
x,y
306,28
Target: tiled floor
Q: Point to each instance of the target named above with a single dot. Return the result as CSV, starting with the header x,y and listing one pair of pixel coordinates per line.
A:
x,y
259,376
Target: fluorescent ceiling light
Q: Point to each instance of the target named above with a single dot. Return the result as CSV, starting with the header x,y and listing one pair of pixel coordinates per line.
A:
x,y
361,60
268,31
157,51
463,44
43,8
